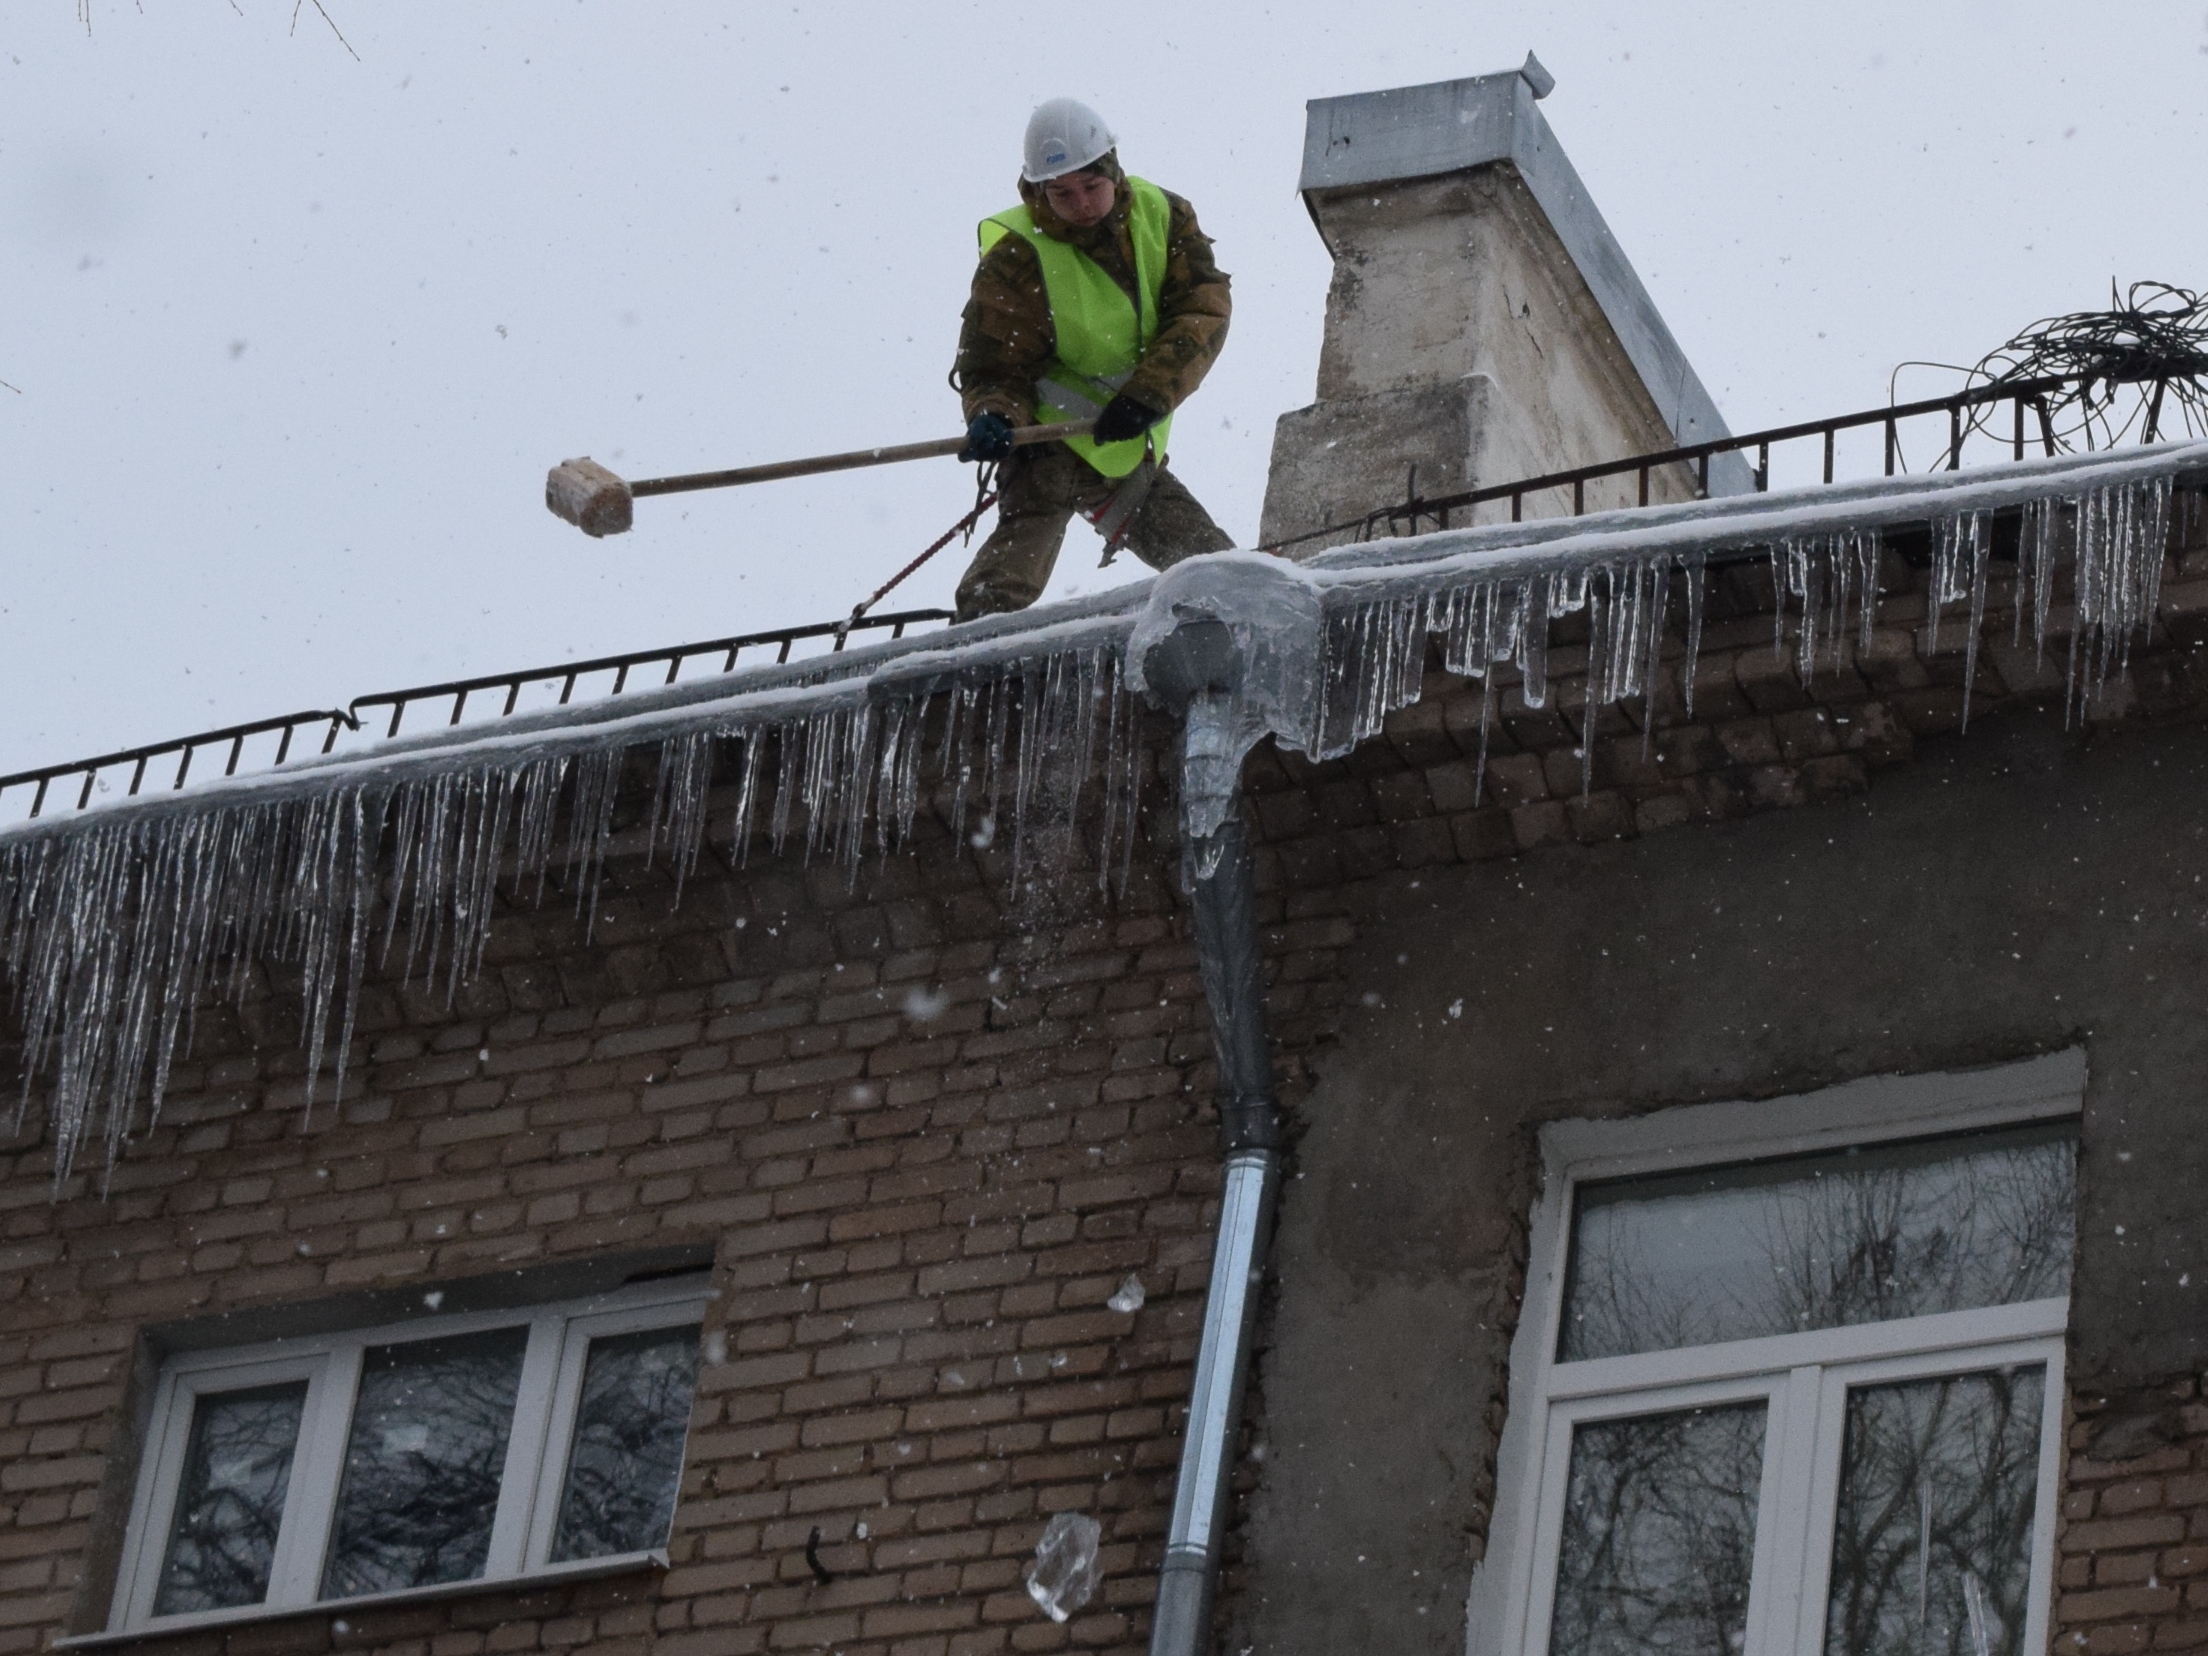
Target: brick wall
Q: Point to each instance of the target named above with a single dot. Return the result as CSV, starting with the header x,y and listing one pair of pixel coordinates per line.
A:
x,y
925,1126
927,1129
2131,1563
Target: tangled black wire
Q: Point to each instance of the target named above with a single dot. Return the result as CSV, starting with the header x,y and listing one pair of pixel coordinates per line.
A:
x,y
2134,372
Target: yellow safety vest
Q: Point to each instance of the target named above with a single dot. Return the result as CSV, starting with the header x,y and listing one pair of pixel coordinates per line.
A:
x,y
1101,335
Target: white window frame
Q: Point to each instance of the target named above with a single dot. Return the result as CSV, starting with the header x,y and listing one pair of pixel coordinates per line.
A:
x,y
1805,1377
547,1399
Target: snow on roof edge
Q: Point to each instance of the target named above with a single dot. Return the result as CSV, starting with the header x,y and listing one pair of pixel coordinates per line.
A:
x,y
1344,575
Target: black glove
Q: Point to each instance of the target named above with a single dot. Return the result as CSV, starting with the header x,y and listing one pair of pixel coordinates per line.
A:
x,y
988,437
1125,417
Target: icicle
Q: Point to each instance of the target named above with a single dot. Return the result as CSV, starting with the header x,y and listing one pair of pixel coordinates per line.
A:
x,y
998,727
897,786
365,836
2115,538
540,801
790,738
1118,729
848,786
493,802
1958,557
965,699
2123,531
1866,549
1533,641
590,827
2035,566
1697,578
1375,662
1487,719
1061,700
1834,577
743,826
1779,587
1035,698
1124,796
1481,625
1654,617
825,736
1604,605
112,933
678,801
1981,556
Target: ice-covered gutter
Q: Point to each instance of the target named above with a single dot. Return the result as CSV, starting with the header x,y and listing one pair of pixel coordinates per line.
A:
x,y
114,922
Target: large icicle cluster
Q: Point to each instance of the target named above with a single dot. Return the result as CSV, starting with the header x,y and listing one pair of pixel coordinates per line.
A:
x,y
2104,538
117,924
113,928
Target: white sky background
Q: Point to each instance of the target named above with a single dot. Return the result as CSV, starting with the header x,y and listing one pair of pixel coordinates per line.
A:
x,y
294,337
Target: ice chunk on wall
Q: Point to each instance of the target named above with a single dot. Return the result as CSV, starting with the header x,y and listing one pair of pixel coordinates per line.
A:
x,y
1273,614
1065,1572
115,926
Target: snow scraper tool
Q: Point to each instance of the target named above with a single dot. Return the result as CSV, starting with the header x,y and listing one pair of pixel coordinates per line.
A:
x,y
597,502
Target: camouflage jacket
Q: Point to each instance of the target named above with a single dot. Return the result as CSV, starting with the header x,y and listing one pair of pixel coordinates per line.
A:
x,y
1007,339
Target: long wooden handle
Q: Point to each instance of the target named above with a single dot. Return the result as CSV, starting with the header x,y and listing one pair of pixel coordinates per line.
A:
x,y
1022,437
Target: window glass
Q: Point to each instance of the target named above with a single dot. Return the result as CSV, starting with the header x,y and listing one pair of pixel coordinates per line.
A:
x,y
627,1456
1659,1534
1932,1555
230,1500
423,1462
1823,1241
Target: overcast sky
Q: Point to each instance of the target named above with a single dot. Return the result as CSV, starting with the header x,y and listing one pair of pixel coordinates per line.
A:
x,y
290,335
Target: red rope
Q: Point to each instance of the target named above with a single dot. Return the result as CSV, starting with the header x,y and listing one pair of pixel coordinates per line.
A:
x,y
963,526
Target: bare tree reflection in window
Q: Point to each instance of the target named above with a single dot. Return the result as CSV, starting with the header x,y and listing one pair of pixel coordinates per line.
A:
x,y
1932,1552
1991,1227
1822,1241
230,1501
1659,1534
627,1455
424,1462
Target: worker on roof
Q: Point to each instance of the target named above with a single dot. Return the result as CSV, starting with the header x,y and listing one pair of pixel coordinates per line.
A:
x,y
1096,298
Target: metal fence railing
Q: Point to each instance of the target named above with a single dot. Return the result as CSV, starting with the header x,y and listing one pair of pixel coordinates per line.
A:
x,y
328,725
1967,414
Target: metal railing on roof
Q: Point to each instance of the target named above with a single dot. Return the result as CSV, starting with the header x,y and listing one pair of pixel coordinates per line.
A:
x,y
570,672
333,722
2031,399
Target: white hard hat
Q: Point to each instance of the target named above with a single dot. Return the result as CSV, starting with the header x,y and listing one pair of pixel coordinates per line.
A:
x,y
1063,136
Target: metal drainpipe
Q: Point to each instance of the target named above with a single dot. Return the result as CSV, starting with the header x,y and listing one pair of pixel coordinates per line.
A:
x,y
1250,1128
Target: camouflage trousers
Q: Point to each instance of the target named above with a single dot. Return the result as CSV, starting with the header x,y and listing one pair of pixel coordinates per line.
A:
x,y
1038,491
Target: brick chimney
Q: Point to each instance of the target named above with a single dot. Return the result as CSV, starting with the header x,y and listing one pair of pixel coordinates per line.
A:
x,y
1482,323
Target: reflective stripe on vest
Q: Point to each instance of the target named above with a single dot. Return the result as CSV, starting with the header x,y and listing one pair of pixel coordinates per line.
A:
x,y
1100,333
